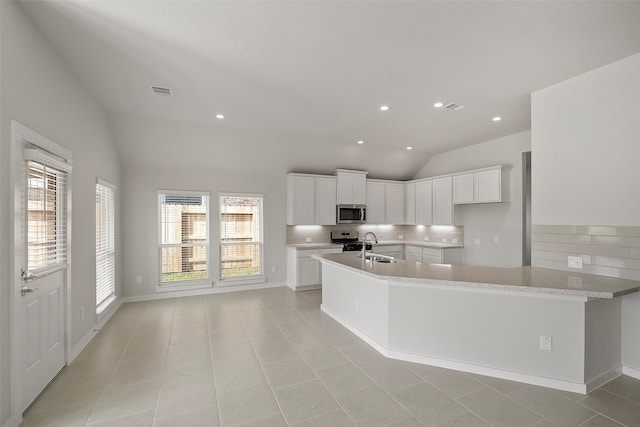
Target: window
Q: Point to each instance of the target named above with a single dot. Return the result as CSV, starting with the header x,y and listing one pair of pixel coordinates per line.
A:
x,y
184,237
47,218
105,245
241,236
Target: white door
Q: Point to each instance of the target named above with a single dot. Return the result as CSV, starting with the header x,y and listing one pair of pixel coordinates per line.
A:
x,y
41,226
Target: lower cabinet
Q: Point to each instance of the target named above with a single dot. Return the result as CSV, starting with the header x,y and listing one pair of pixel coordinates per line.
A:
x,y
304,272
394,251
433,255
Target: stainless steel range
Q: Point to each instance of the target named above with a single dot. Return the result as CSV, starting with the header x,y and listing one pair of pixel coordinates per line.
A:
x,y
350,240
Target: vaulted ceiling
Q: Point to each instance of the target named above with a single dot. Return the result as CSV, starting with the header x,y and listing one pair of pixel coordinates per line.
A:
x,y
299,82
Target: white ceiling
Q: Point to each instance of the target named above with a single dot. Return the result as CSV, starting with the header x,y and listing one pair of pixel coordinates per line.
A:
x,y
299,82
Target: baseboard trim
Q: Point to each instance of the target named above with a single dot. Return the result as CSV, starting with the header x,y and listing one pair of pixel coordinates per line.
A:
x,y
13,422
461,366
632,372
207,291
602,379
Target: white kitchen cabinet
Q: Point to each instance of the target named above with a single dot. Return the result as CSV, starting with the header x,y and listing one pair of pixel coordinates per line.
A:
x,y
304,272
352,187
326,200
463,188
487,185
424,202
413,253
394,203
478,186
410,203
442,201
311,199
385,202
375,202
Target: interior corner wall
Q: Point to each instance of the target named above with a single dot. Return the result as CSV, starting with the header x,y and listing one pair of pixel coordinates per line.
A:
x,y
140,232
39,91
585,151
486,221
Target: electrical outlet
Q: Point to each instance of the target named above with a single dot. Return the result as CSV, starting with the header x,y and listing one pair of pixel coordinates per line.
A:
x,y
575,261
476,242
307,239
545,343
356,303
138,279
444,240
454,241
426,238
273,269
400,237
496,239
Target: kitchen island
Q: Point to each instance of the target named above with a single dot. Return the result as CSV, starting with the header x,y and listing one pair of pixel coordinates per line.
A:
x,y
545,327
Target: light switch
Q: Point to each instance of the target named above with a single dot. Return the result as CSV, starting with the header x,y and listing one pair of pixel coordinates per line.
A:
x,y
545,343
575,261
476,242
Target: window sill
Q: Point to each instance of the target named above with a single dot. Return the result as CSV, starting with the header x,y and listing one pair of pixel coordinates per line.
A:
x,y
104,307
183,286
247,280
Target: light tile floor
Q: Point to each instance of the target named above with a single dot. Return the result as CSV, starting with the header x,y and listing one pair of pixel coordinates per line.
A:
x,y
272,358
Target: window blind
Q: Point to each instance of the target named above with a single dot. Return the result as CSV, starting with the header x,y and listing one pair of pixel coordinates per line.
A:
x,y
241,245
46,217
105,242
184,237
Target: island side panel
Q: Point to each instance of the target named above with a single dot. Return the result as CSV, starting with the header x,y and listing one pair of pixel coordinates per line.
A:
x,y
489,329
361,302
603,341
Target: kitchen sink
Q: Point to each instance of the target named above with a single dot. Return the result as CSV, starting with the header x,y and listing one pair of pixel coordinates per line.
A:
x,y
385,259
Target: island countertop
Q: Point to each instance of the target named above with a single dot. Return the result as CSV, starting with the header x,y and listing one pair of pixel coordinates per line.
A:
x,y
520,279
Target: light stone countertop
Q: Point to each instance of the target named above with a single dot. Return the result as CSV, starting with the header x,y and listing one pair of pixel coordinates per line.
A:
x,y
421,243
325,245
532,280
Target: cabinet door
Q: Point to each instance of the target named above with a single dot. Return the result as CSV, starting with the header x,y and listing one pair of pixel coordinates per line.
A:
x,y
463,188
487,186
442,201
394,203
424,203
302,199
345,188
359,189
326,201
375,203
410,203
308,272
413,253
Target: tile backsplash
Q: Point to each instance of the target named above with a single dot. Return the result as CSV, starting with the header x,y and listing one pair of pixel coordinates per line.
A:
x,y
605,250
321,233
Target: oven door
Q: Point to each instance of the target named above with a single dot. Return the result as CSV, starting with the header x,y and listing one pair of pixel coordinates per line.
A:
x,y
351,214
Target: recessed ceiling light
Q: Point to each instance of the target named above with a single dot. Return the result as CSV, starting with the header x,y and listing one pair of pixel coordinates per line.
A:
x,y
219,116
409,148
497,118
438,105
361,142
384,108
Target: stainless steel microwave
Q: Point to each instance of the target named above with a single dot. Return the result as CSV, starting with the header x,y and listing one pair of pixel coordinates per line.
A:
x,y
351,214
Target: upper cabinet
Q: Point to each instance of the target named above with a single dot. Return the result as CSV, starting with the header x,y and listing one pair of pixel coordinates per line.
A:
x,y
385,202
418,203
479,186
352,187
443,201
311,199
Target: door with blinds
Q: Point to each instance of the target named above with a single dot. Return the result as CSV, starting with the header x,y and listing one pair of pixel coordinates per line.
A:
x,y
41,236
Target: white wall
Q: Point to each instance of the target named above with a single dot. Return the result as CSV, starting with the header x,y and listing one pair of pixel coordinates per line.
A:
x,y
585,151
486,221
140,208
40,92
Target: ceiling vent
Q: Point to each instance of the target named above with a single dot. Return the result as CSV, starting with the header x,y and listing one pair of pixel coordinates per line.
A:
x,y
161,91
453,106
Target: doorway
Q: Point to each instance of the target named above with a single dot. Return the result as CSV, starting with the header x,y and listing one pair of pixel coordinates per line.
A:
x,y
41,181
526,208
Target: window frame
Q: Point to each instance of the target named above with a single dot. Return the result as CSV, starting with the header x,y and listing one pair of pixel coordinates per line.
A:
x,y
111,237
191,283
249,278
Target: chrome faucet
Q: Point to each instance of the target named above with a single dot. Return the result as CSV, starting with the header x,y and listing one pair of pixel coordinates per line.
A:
x,y
364,244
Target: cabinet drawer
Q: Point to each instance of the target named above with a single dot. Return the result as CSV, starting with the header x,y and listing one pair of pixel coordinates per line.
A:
x,y
432,259
331,251
384,250
413,250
